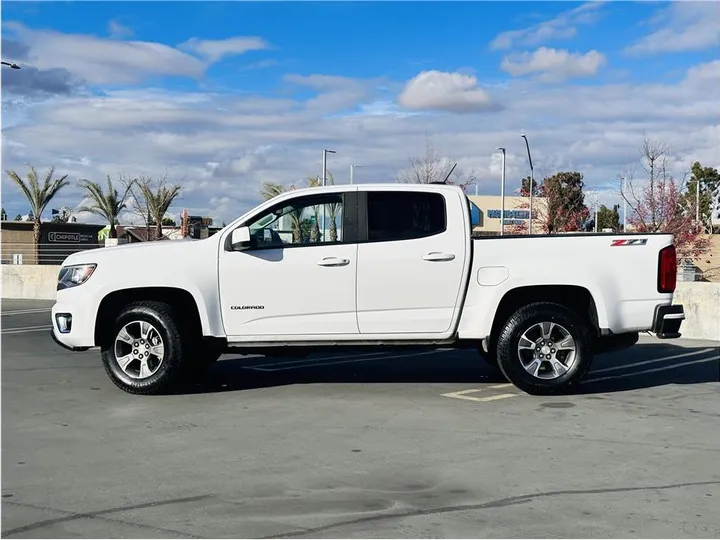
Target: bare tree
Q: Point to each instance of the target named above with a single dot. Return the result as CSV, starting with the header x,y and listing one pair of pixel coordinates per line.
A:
x,y
425,169
656,205
433,167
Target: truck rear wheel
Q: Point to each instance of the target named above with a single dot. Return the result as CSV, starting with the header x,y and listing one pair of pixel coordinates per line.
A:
x,y
544,348
146,352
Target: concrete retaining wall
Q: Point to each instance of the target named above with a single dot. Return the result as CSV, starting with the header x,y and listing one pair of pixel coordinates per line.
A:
x,y
29,281
701,300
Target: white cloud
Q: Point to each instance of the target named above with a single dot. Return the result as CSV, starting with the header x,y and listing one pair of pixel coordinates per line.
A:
x,y
221,147
564,26
683,26
215,49
553,64
117,30
105,61
113,61
437,90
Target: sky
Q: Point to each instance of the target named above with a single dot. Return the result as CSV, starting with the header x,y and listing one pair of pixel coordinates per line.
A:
x,y
222,96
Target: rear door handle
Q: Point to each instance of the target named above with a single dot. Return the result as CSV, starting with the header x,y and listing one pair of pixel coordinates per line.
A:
x,y
333,261
438,256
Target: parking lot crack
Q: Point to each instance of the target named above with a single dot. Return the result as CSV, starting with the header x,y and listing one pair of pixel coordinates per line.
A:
x,y
100,514
499,503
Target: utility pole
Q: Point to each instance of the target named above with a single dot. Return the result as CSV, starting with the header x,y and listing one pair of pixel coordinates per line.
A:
x,y
502,194
532,181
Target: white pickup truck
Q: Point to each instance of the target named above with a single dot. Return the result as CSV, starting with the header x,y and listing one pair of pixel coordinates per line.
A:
x,y
366,265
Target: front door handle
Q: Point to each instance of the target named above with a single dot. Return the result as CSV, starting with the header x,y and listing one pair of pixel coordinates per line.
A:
x,y
333,261
438,256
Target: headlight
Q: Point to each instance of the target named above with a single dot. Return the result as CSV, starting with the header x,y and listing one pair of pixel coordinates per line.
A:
x,y
72,276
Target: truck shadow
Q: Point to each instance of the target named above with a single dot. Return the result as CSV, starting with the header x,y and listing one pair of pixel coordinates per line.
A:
x,y
642,366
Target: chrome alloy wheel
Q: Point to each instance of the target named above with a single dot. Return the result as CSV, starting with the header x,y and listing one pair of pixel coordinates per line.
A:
x,y
547,350
139,349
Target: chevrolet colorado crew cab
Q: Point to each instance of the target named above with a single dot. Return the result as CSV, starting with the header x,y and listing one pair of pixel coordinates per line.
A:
x,y
374,265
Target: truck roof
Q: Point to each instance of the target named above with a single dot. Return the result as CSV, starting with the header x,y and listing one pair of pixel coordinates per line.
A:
x,y
382,186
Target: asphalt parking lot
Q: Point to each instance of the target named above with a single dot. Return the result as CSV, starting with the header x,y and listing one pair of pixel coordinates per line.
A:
x,y
353,446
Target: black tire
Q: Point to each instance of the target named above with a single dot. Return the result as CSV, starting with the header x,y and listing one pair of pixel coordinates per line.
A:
x,y
175,340
509,358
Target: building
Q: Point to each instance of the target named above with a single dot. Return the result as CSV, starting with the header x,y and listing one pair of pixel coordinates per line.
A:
x,y
57,241
486,213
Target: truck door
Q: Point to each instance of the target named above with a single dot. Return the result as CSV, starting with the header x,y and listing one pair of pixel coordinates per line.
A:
x,y
411,262
298,278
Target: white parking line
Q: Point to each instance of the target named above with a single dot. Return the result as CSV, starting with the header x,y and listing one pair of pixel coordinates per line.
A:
x,y
26,329
25,311
645,362
653,370
324,361
462,394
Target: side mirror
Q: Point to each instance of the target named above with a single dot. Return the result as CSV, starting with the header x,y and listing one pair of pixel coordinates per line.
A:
x,y
240,238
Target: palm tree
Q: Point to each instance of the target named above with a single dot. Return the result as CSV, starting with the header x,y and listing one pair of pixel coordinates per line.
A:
x,y
106,204
157,202
268,190
38,195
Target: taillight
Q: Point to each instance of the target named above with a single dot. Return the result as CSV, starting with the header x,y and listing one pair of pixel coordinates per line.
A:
x,y
667,270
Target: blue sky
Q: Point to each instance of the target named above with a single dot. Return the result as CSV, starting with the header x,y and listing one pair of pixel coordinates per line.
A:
x,y
168,76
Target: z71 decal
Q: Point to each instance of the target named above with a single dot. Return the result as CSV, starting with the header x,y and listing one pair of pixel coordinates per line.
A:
x,y
629,242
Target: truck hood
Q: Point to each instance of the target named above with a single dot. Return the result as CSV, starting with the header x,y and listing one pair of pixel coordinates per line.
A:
x,y
146,253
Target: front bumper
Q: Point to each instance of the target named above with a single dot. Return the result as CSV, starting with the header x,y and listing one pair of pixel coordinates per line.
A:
x,y
63,345
667,321
79,335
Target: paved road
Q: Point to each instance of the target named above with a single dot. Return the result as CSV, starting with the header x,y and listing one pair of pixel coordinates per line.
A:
x,y
422,445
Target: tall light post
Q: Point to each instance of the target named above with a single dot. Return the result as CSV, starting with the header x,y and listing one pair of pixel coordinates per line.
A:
x,y
324,183
502,194
13,66
324,165
532,181
624,193
352,173
595,199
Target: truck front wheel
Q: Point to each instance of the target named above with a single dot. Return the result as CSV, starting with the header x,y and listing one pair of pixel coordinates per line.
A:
x,y
544,348
146,352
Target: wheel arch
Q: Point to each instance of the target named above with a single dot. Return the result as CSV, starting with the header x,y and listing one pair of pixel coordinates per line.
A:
x,y
181,299
575,297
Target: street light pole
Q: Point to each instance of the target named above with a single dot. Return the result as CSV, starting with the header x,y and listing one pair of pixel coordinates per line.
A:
x,y
13,66
324,165
324,183
697,203
532,181
502,194
595,207
352,173
624,191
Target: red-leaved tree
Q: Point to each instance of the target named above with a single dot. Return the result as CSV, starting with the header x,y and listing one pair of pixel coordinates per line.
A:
x,y
656,206
559,206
